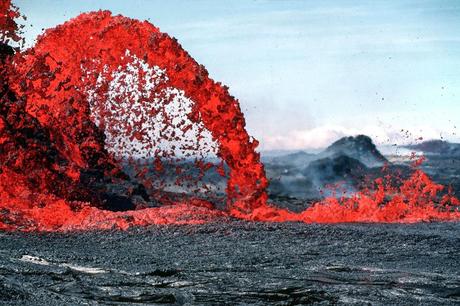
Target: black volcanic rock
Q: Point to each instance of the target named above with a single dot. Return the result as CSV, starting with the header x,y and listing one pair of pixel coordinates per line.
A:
x,y
437,147
234,262
360,148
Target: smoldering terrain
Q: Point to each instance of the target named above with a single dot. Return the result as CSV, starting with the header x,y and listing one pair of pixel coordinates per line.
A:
x,y
298,179
351,162
232,262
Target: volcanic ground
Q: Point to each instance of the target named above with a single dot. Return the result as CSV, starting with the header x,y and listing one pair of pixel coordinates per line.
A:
x,y
235,263
229,261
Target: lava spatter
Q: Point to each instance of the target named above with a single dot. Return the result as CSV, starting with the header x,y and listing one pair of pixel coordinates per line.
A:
x,y
103,109
416,199
77,86
10,31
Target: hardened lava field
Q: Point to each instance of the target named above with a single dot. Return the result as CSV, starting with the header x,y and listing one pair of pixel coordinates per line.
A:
x,y
235,263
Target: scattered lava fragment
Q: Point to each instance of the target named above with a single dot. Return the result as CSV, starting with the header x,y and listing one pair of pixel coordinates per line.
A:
x,y
417,199
101,94
9,29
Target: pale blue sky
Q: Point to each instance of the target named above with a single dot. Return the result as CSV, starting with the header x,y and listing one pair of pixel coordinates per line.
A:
x,y
308,72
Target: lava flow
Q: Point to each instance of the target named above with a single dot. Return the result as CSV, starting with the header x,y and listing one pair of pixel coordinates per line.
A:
x,y
96,117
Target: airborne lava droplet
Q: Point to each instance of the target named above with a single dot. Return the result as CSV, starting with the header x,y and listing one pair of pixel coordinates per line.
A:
x,y
103,108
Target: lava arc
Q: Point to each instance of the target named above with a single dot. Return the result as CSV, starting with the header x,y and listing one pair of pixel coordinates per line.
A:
x,y
100,91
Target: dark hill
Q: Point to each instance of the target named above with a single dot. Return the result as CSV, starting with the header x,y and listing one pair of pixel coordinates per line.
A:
x,y
359,147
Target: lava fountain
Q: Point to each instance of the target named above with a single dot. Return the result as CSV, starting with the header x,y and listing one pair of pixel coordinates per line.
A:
x,y
103,108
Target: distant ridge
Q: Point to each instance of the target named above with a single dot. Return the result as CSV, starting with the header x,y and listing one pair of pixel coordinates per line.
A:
x,y
436,146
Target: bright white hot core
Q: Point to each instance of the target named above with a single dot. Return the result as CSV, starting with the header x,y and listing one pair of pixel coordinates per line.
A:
x,y
143,117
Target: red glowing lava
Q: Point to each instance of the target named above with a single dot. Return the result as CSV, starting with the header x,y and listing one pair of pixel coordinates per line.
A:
x,y
416,199
98,92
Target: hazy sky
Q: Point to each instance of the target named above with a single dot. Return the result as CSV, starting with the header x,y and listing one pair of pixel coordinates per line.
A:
x,y
308,72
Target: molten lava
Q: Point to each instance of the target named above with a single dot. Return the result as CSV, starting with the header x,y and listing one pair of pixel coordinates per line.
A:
x,y
102,102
